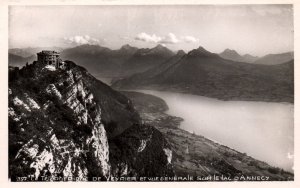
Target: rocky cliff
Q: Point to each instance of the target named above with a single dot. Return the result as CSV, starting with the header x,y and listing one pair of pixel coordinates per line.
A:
x,y
64,125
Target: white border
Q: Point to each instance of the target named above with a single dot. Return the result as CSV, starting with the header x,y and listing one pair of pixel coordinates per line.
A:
x,y
4,182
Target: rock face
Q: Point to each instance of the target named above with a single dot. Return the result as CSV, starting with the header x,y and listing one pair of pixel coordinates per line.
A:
x,y
64,125
141,151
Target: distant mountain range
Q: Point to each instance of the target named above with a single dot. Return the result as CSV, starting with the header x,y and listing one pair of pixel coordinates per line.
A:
x,y
270,59
204,73
100,59
145,59
18,57
19,61
227,75
275,59
27,52
234,56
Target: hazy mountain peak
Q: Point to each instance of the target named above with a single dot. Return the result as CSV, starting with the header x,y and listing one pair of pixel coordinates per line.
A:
x,y
160,49
86,48
230,52
274,59
234,56
200,52
181,52
159,46
127,47
249,56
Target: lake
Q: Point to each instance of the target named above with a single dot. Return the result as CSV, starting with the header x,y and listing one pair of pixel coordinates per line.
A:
x,y
263,130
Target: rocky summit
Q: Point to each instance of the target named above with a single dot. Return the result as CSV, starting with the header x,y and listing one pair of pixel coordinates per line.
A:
x,y
65,125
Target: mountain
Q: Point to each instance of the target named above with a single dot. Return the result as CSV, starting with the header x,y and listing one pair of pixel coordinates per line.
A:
x,y
275,59
66,125
204,73
19,61
94,57
100,61
126,50
234,56
26,52
18,57
145,59
151,74
249,58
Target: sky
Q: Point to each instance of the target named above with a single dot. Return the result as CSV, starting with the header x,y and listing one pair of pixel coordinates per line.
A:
x,y
253,29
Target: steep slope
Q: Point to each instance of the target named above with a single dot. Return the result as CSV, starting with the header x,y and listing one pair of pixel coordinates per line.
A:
x,y
64,125
203,73
234,56
275,59
145,59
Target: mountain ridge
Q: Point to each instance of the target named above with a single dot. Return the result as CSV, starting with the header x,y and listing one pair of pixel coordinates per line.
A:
x,y
234,56
203,73
275,59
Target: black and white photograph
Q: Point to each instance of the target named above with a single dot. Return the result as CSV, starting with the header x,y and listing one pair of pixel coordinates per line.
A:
x,y
151,93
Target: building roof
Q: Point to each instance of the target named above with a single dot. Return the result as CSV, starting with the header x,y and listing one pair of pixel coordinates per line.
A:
x,y
48,52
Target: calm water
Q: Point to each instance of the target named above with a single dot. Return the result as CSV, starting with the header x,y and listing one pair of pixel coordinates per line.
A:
x,y
263,130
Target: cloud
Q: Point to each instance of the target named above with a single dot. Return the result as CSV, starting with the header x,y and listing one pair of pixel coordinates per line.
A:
x,y
189,39
148,38
168,39
80,40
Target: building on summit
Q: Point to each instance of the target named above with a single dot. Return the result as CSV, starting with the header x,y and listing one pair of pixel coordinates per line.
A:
x,y
49,58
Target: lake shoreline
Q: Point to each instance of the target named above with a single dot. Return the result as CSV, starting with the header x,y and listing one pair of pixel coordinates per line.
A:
x,y
262,127
214,95
205,156
227,97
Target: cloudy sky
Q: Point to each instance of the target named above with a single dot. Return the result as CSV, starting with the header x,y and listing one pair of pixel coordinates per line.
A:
x,y
254,29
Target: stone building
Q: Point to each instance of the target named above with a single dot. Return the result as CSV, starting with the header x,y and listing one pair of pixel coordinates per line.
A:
x,y
49,58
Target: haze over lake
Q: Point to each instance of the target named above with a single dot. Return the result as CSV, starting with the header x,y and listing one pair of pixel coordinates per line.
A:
x,y
263,130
